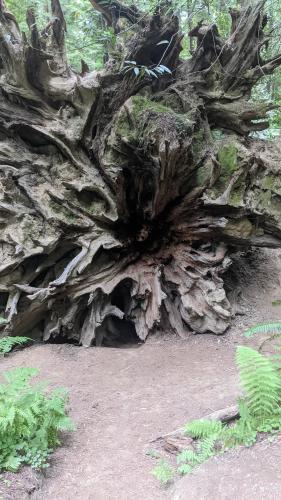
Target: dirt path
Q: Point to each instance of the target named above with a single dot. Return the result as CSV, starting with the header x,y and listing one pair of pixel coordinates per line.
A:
x,y
121,399
245,474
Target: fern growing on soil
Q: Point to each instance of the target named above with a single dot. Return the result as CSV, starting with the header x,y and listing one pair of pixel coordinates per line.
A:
x,y
259,411
163,472
8,343
260,380
30,420
274,328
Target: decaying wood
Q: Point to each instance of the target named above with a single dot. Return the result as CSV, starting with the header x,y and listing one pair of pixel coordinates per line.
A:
x,y
175,445
174,441
120,196
225,415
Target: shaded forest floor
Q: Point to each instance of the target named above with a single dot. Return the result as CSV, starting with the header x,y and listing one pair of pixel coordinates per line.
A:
x,y
122,399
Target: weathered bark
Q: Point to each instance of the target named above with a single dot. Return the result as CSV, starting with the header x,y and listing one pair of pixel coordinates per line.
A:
x,y
121,196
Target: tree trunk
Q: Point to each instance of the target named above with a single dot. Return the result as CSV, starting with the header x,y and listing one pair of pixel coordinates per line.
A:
x,y
121,195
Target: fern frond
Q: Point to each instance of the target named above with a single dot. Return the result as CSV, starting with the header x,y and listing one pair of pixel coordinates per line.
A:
x,y
31,418
242,432
259,411
8,343
185,469
163,472
207,448
259,377
200,429
187,456
189,459
264,328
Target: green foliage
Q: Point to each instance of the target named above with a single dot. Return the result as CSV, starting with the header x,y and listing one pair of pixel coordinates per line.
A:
x,y
227,157
8,343
163,472
188,459
259,411
30,420
89,37
261,381
199,429
141,71
264,328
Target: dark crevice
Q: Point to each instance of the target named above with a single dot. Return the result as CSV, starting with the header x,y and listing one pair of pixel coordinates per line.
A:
x,y
121,296
115,332
34,262
89,198
3,302
62,339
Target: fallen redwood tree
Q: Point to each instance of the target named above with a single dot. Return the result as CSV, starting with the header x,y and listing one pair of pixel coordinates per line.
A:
x,y
122,193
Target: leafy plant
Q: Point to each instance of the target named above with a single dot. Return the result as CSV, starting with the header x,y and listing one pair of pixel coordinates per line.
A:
x,y
261,381
202,428
142,71
163,472
30,420
264,328
8,343
275,334
259,411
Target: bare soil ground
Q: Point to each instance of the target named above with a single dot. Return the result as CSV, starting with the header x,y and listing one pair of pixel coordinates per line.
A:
x,y
245,474
122,399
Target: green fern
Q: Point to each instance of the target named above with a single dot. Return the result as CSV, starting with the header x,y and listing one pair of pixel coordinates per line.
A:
x,y
261,381
264,328
206,432
243,432
8,343
207,447
30,420
189,456
163,472
185,468
199,429
259,411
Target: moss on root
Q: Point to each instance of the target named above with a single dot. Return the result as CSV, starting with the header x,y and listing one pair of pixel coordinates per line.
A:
x,y
241,229
273,183
228,161
227,157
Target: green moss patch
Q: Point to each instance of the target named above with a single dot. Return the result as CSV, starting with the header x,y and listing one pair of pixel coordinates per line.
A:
x,y
227,157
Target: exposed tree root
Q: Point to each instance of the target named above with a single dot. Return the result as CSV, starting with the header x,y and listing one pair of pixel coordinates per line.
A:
x,y
120,196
